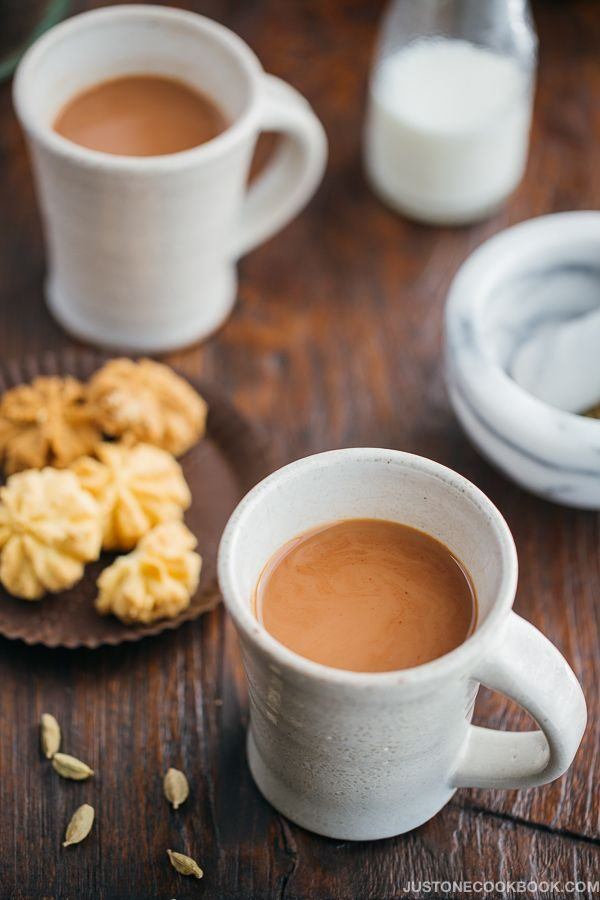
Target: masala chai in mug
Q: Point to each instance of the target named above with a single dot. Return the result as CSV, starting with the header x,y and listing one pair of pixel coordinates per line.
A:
x,y
366,595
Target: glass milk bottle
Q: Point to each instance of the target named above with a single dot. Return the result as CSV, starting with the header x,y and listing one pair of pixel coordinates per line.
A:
x,y
449,108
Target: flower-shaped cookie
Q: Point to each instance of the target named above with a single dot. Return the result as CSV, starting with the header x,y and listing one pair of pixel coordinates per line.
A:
x,y
49,528
47,422
136,488
146,401
155,581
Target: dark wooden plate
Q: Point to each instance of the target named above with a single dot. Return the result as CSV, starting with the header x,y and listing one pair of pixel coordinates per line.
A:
x,y
220,469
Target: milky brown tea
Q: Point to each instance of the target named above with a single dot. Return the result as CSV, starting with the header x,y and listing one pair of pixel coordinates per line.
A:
x,y
140,115
366,595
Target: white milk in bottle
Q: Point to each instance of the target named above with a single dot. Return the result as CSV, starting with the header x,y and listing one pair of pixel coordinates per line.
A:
x,y
447,129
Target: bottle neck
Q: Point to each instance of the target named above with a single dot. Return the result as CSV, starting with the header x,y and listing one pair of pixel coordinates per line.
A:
x,y
504,26
490,14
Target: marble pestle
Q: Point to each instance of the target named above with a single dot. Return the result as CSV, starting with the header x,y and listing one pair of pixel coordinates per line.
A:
x,y
560,362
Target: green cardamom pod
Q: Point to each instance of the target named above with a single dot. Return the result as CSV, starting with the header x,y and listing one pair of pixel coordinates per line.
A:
x,y
185,865
49,735
80,825
176,787
70,767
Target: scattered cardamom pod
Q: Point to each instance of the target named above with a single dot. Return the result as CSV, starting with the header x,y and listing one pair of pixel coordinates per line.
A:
x,y
176,787
70,767
185,865
80,825
49,735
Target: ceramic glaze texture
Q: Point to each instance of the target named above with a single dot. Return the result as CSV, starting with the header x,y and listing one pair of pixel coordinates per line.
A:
x,y
368,755
365,764
142,251
520,357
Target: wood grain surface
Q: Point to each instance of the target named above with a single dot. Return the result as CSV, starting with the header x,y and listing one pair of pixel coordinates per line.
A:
x,y
335,342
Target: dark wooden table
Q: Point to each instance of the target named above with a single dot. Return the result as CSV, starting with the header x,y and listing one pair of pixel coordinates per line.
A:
x,y
335,341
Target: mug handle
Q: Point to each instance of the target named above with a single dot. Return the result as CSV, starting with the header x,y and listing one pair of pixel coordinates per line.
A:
x,y
526,667
292,176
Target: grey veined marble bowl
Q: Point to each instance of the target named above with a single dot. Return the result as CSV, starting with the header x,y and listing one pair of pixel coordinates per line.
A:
x,y
522,359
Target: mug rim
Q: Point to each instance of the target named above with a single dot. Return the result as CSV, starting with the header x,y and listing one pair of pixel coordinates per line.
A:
x,y
461,658
45,134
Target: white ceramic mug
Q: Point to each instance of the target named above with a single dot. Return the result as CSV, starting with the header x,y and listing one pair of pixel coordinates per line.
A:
x,y
369,755
142,251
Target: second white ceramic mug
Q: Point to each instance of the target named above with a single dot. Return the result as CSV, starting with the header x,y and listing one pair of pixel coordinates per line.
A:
x,y
142,252
369,755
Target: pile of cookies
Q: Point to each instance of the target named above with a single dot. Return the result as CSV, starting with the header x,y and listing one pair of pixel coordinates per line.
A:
x,y
92,467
